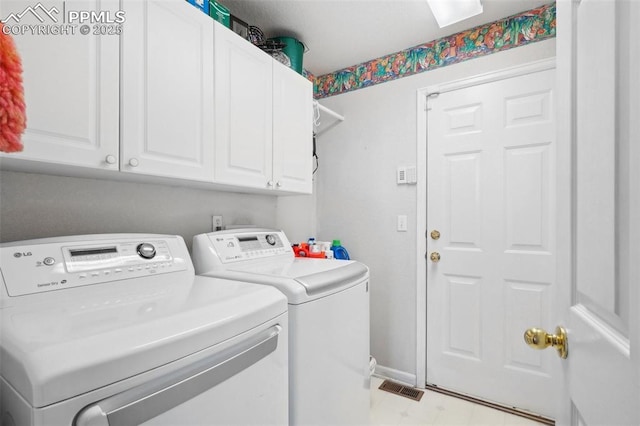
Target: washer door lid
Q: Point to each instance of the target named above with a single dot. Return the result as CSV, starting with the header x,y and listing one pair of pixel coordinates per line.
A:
x,y
334,280
52,352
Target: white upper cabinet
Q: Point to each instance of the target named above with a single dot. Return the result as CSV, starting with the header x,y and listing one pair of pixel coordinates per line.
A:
x,y
71,89
244,112
167,114
264,124
174,95
292,130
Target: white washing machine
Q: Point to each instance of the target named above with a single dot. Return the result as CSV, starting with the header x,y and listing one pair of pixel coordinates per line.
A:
x,y
116,330
328,319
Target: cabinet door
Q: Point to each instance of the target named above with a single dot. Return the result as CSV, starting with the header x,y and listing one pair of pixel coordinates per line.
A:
x,y
70,83
292,130
167,90
243,112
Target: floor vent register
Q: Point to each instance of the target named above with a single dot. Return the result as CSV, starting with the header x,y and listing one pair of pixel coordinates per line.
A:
x,y
398,389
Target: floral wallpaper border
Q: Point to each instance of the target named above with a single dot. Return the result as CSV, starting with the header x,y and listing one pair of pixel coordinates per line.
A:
x,y
518,30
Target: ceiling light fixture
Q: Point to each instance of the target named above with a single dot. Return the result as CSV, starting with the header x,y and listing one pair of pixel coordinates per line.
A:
x,y
449,12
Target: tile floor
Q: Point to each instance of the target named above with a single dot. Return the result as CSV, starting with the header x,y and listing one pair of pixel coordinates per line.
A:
x,y
435,409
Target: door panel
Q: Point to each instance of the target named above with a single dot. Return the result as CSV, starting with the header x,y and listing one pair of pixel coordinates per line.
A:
x,y
167,91
491,194
596,92
292,130
244,111
526,301
603,368
463,200
527,192
179,70
463,297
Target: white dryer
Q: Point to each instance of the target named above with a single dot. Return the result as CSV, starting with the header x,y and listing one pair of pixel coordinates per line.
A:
x,y
116,330
328,319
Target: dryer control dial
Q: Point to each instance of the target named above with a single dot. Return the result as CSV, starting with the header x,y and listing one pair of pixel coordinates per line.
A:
x,y
271,239
146,250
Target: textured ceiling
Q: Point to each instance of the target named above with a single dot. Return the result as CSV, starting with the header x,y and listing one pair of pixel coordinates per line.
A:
x,y
341,33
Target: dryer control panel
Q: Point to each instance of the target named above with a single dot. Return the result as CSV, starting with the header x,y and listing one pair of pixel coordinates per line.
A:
x,y
54,264
234,246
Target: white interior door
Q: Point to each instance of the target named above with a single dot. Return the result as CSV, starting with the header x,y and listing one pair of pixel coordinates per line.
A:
x,y
491,195
599,72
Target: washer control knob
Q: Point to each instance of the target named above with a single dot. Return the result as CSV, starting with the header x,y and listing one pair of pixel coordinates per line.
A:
x,y
146,250
271,239
49,261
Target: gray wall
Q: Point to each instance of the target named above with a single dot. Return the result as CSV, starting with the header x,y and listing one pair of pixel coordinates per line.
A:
x,y
358,199
296,216
37,206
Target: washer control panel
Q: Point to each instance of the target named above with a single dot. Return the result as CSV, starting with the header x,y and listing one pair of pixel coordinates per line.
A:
x,y
40,265
245,246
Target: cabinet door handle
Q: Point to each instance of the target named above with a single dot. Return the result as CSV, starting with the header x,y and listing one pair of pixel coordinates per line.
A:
x,y
270,183
110,159
134,162
278,184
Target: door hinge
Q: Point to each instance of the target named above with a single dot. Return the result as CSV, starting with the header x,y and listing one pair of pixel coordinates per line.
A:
x,y
430,96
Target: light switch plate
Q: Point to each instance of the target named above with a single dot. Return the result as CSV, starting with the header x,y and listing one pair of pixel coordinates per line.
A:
x,y
402,223
406,175
411,175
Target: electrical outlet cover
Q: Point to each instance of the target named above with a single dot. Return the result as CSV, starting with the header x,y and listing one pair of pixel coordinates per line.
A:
x,y
216,222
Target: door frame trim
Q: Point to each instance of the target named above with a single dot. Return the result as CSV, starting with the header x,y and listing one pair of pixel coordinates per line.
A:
x,y
421,188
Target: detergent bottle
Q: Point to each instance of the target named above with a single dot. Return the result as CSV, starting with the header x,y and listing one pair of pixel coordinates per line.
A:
x,y
339,252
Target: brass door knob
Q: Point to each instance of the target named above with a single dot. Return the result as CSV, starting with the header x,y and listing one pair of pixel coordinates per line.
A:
x,y
537,338
435,234
435,257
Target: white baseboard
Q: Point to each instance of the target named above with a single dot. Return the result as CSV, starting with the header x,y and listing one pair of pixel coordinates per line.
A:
x,y
401,377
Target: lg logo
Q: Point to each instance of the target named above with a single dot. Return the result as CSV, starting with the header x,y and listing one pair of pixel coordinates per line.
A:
x,y
18,254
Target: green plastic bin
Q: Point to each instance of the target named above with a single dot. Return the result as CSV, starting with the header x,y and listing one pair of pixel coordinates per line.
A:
x,y
219,13
294,49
